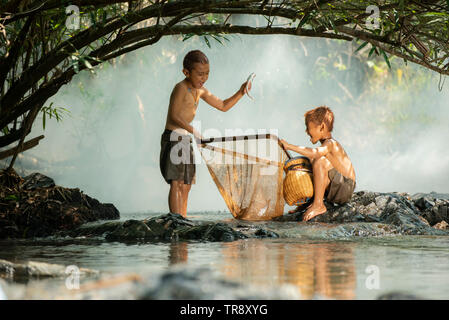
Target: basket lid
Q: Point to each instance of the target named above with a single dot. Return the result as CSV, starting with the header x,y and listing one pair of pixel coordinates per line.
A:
x,y
297,160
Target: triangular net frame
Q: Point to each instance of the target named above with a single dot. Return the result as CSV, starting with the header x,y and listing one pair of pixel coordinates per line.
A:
x,y
248,172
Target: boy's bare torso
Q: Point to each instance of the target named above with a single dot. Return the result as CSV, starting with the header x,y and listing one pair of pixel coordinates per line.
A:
x,y
339,159
182,105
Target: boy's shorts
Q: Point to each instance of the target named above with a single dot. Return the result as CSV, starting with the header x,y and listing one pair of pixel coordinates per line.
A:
x,y
176,160
340,188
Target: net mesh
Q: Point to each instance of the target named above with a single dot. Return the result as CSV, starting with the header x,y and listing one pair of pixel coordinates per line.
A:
x,y
248,172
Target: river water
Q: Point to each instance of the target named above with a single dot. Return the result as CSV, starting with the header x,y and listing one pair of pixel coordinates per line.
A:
x,y
355,268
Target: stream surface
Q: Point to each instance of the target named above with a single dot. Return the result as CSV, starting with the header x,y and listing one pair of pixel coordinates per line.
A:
x,y
354,268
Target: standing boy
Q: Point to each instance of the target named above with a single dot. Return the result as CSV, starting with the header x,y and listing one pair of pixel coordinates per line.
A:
x,y
176,158
332,169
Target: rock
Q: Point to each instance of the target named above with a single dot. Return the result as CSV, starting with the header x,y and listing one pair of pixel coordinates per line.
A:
x,y
133,230
37,180
92,229
423,203
433,195
262,233
210,232
443,225
169,227
201,283
173,227
34,269
397,210
437,213
35,207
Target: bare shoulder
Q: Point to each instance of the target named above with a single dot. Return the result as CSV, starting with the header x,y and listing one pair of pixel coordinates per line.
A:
x,y
203,91
329,143
336,146
179,89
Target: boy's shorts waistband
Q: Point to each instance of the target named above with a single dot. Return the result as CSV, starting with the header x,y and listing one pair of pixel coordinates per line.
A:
x,y
167,135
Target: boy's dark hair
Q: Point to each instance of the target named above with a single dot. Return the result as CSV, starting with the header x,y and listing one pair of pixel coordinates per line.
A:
x,y
195,56
320,115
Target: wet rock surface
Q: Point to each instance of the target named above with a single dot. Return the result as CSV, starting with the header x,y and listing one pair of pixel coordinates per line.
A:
x,y
179,282
395,213
169,227
35,207
36,270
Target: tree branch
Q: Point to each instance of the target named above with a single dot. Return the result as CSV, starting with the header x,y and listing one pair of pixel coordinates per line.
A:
x,y
26,146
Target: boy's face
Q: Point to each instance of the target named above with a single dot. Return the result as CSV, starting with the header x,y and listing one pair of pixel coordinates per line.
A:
x,y
198,75
315,131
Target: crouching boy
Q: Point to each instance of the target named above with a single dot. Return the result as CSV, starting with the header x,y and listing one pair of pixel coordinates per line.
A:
x,y
333,173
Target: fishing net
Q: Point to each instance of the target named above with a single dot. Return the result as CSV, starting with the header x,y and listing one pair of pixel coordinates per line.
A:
x,y
248,172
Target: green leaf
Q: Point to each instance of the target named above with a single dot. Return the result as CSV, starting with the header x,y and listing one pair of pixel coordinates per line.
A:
x,y
187,36
363,45
217,39
373,49
386,58
303,21
207,41
11,197
93,19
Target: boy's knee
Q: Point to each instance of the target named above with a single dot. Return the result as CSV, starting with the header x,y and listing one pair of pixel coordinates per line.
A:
x,y
176,184
186,187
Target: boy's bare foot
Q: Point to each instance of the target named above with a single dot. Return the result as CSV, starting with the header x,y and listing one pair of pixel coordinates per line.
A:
x,y
300,208
314,211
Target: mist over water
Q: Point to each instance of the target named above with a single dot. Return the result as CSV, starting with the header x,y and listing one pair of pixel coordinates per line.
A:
x,y
110,145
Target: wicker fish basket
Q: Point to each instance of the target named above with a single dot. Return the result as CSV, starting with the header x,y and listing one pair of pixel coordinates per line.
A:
x,y
298,185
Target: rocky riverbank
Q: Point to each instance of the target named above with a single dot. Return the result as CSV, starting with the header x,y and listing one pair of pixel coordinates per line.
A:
x,y
388,213
34,206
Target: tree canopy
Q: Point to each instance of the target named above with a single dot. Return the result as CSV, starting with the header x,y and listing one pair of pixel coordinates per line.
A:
x,y
45,43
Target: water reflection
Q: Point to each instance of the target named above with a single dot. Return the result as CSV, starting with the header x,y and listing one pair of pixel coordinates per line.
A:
x,y
178,253
316,269
324,269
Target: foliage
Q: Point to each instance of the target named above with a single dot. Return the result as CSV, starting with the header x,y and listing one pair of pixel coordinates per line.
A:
x,y
40,51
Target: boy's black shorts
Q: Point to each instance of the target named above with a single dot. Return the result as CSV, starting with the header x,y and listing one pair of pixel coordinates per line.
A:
x,y
179,164
340,188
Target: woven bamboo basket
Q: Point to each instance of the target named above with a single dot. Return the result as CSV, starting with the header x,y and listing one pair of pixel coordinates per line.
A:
x,y
298,184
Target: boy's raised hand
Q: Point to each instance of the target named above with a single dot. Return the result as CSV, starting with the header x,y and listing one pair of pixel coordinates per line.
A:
x,y
245,87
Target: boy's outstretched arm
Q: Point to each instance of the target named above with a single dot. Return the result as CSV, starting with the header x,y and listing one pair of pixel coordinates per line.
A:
x,y
226,104
311,153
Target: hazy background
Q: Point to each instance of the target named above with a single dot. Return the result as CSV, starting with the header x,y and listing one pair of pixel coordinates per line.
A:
x,y
394,128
